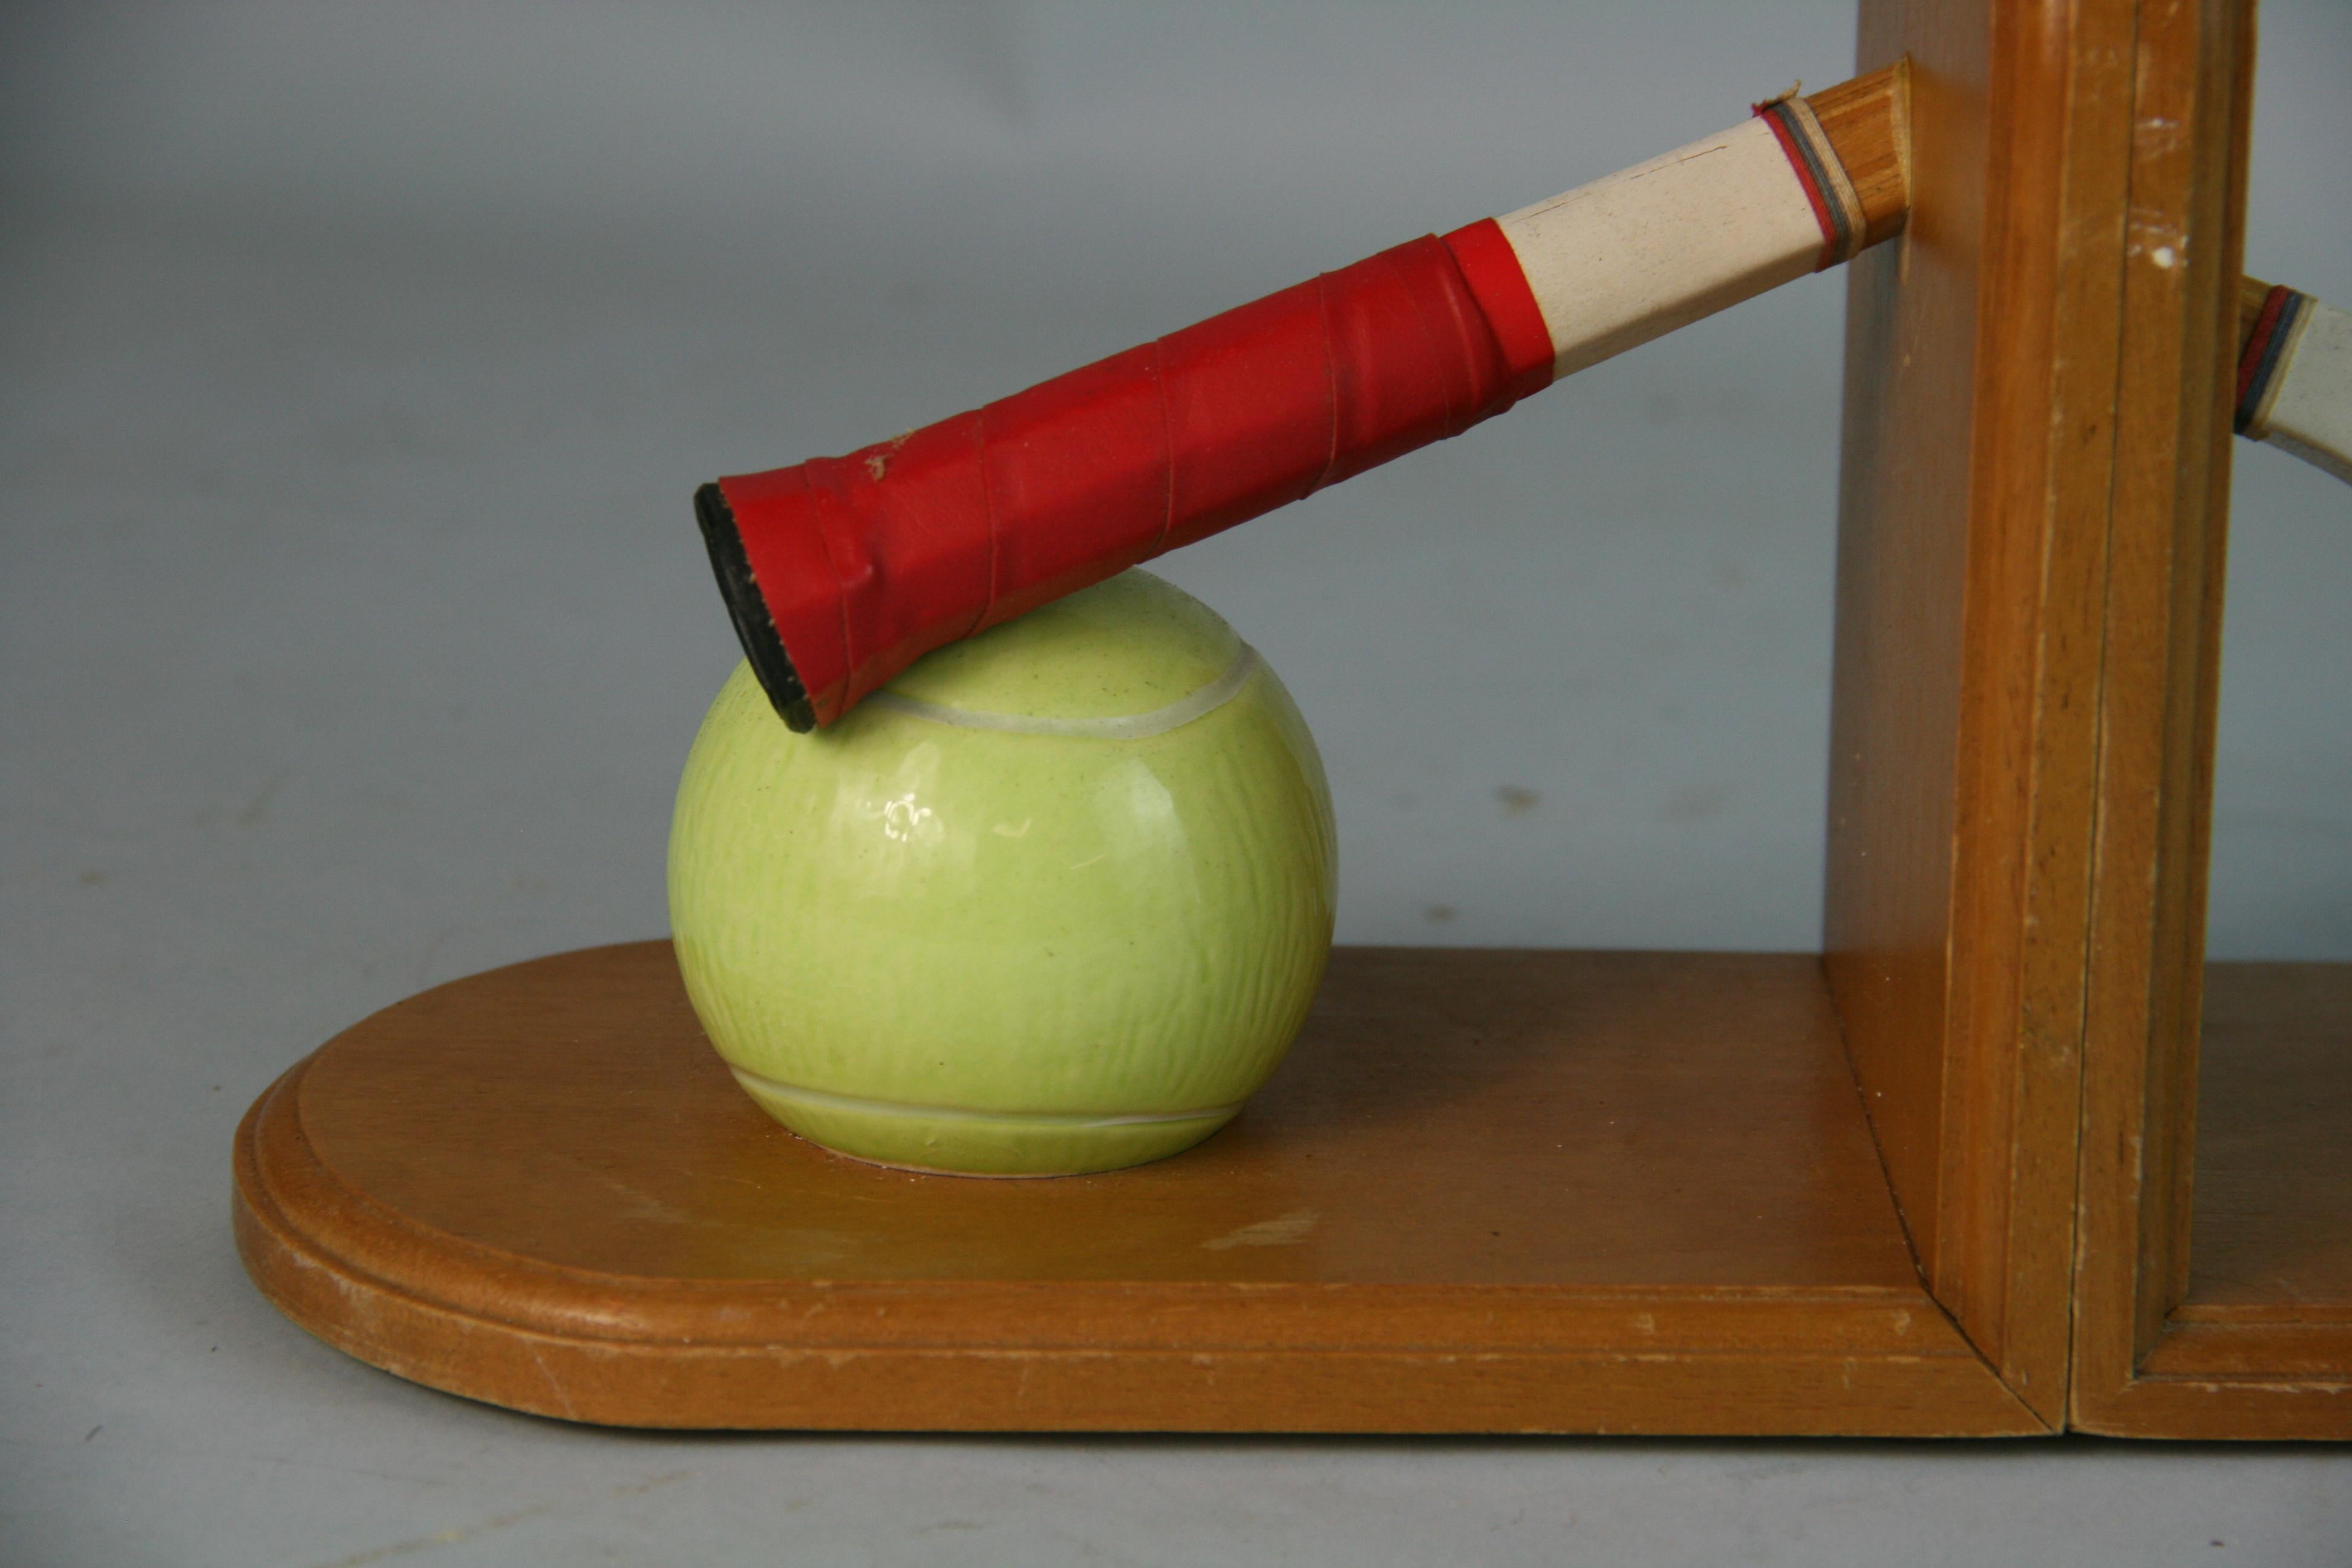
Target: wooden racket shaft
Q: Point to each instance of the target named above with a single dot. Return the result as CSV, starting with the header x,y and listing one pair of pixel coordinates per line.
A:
x,y
840,571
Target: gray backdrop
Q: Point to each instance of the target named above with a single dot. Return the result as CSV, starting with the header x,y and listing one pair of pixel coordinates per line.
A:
x,y
356,363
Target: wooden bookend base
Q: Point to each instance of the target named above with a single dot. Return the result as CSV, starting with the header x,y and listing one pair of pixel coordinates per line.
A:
x,y
1488,1191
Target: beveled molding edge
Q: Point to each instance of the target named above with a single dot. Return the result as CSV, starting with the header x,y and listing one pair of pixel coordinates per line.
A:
x,y
2215,1376
1115,1356
281,1183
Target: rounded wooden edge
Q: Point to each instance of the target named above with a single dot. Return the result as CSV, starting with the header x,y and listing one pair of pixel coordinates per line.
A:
x,y
1066,1387
1035,1355
359,1313
466,1318
286,1192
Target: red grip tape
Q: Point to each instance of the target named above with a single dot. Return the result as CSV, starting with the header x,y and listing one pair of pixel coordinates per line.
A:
x,y
867,562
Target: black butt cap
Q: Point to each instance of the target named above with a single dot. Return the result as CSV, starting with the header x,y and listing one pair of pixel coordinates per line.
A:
x,y
754,627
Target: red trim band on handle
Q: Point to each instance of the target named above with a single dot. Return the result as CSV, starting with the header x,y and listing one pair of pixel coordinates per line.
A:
x,y
2258,361
1491,267
1806,161
863,564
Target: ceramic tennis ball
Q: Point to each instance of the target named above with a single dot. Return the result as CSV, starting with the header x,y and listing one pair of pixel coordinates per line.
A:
x,y
1055,901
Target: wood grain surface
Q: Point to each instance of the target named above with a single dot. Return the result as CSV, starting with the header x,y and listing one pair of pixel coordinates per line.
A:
x,y
2166,1345
1867,121
1489,1191
1981,358
2272,1230
2253,295
2270,1257
2260,1345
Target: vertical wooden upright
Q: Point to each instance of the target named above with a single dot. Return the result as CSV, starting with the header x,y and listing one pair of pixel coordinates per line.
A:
x,y
2270,1356
1979,457
2033,515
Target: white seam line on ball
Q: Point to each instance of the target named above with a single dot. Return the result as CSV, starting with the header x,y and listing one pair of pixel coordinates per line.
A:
x,y
1197,704
826,1098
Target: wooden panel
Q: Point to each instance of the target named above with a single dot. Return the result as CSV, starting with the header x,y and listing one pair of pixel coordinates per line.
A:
x,y
2165,1344
1981,353
2268,1316
1910,352
2169,505
2272,1214
2270,1282
1487,1192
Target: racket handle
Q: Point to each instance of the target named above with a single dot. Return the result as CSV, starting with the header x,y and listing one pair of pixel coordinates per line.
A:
x,y
840,571
2295,375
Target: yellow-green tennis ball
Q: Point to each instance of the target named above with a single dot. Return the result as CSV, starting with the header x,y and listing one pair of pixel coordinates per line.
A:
x,y
1056,900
